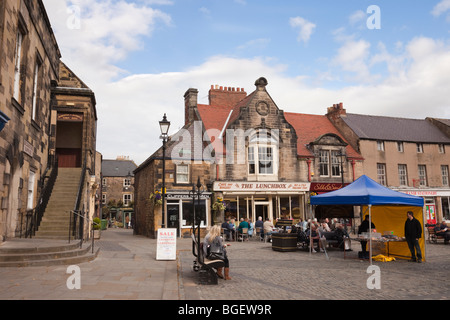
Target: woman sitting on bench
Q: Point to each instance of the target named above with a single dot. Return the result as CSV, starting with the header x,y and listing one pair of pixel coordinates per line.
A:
x,y
214,249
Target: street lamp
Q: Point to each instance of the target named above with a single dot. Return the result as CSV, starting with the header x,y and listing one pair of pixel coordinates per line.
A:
x,y
164,125
196,192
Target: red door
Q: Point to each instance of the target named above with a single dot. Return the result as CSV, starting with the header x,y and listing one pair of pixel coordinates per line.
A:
x,y
69,158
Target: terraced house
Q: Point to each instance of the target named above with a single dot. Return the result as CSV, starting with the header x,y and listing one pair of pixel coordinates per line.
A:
x,y
42,104
407,155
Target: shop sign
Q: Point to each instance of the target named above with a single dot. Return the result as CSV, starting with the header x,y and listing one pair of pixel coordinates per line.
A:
x,y
166,248
262,186
186,196
325,187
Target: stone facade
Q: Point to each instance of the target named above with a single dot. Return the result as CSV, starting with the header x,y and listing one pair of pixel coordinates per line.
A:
x,y
118,181
29,66
407,155
48,106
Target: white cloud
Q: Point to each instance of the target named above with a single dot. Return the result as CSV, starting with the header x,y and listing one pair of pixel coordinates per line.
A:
x,y
441,7
357,16
416,84
353,57
306,28
95,35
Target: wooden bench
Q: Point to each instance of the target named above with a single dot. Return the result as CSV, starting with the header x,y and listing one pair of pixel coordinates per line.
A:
x,y
207,268
432,236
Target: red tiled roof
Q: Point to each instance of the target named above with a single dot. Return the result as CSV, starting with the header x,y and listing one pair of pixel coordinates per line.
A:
x,y
309,127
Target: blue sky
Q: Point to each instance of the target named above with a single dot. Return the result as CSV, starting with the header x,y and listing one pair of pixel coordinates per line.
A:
x,y
141,56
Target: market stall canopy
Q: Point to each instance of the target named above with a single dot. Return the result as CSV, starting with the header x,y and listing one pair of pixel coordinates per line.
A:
x,y
365,191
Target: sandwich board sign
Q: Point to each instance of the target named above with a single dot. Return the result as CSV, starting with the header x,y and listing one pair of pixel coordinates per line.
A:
x,y
166,248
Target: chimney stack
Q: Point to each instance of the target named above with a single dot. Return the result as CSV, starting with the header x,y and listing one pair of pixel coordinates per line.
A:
x,y
225,96
190,105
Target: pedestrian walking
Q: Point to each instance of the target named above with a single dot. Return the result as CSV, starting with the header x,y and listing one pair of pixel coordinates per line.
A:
x,y
413,232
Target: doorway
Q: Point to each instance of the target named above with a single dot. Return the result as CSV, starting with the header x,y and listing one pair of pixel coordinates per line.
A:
x,y
69,137
262,210
173,217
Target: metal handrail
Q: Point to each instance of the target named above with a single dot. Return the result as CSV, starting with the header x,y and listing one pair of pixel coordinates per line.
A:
x,y
89,220
35,215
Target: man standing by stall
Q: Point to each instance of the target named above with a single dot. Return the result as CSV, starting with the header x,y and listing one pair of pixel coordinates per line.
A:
x,y
413,232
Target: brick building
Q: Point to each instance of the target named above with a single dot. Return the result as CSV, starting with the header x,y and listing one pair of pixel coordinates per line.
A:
x,y
407,155
118,181
39,97
248,152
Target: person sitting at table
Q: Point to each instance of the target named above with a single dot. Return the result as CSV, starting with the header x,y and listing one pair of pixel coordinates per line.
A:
x,y
232,228
251,227
364,227
442,230
243,225
268,227
315,237
228,230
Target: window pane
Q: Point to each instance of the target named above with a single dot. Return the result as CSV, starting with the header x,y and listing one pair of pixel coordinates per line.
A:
x,y
323,163
265,160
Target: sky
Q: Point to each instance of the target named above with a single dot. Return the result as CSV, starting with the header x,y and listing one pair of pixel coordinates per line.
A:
x,y
377,57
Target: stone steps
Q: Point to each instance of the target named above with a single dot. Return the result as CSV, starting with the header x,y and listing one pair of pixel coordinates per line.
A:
x,y
55,222
37,252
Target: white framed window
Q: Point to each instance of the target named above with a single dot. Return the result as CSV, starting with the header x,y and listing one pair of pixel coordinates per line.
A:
x,y
381,173
17,66
441,148
37,69
127,198
126,182
422,175
335,163
444,173
400,147
182,173
104,198
324,160
262,156
31,183
402,174
104,182
419,147
380,145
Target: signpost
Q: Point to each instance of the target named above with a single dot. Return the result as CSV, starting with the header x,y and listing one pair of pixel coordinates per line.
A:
x,y
166,248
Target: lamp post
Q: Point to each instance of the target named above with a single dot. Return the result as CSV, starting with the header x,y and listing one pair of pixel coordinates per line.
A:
x,y
196,192
164,125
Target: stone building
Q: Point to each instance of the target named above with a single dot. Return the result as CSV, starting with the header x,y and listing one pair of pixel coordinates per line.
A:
x,y
118,181
248,153
29,66
407,155
47,106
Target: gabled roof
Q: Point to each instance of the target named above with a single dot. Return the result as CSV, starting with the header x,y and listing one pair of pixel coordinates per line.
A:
x,y
394,129
309,127
118,168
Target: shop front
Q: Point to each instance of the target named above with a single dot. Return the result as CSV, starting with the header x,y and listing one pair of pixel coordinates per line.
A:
x,y
180,211
272,200
436,203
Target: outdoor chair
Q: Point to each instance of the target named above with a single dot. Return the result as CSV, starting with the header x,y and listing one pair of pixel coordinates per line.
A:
x,y
243,234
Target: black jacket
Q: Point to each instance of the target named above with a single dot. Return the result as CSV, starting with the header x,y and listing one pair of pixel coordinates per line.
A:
x,y
413,229
364,227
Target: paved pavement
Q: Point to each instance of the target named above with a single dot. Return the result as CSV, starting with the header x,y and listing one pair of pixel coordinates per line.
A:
x,y
126,269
